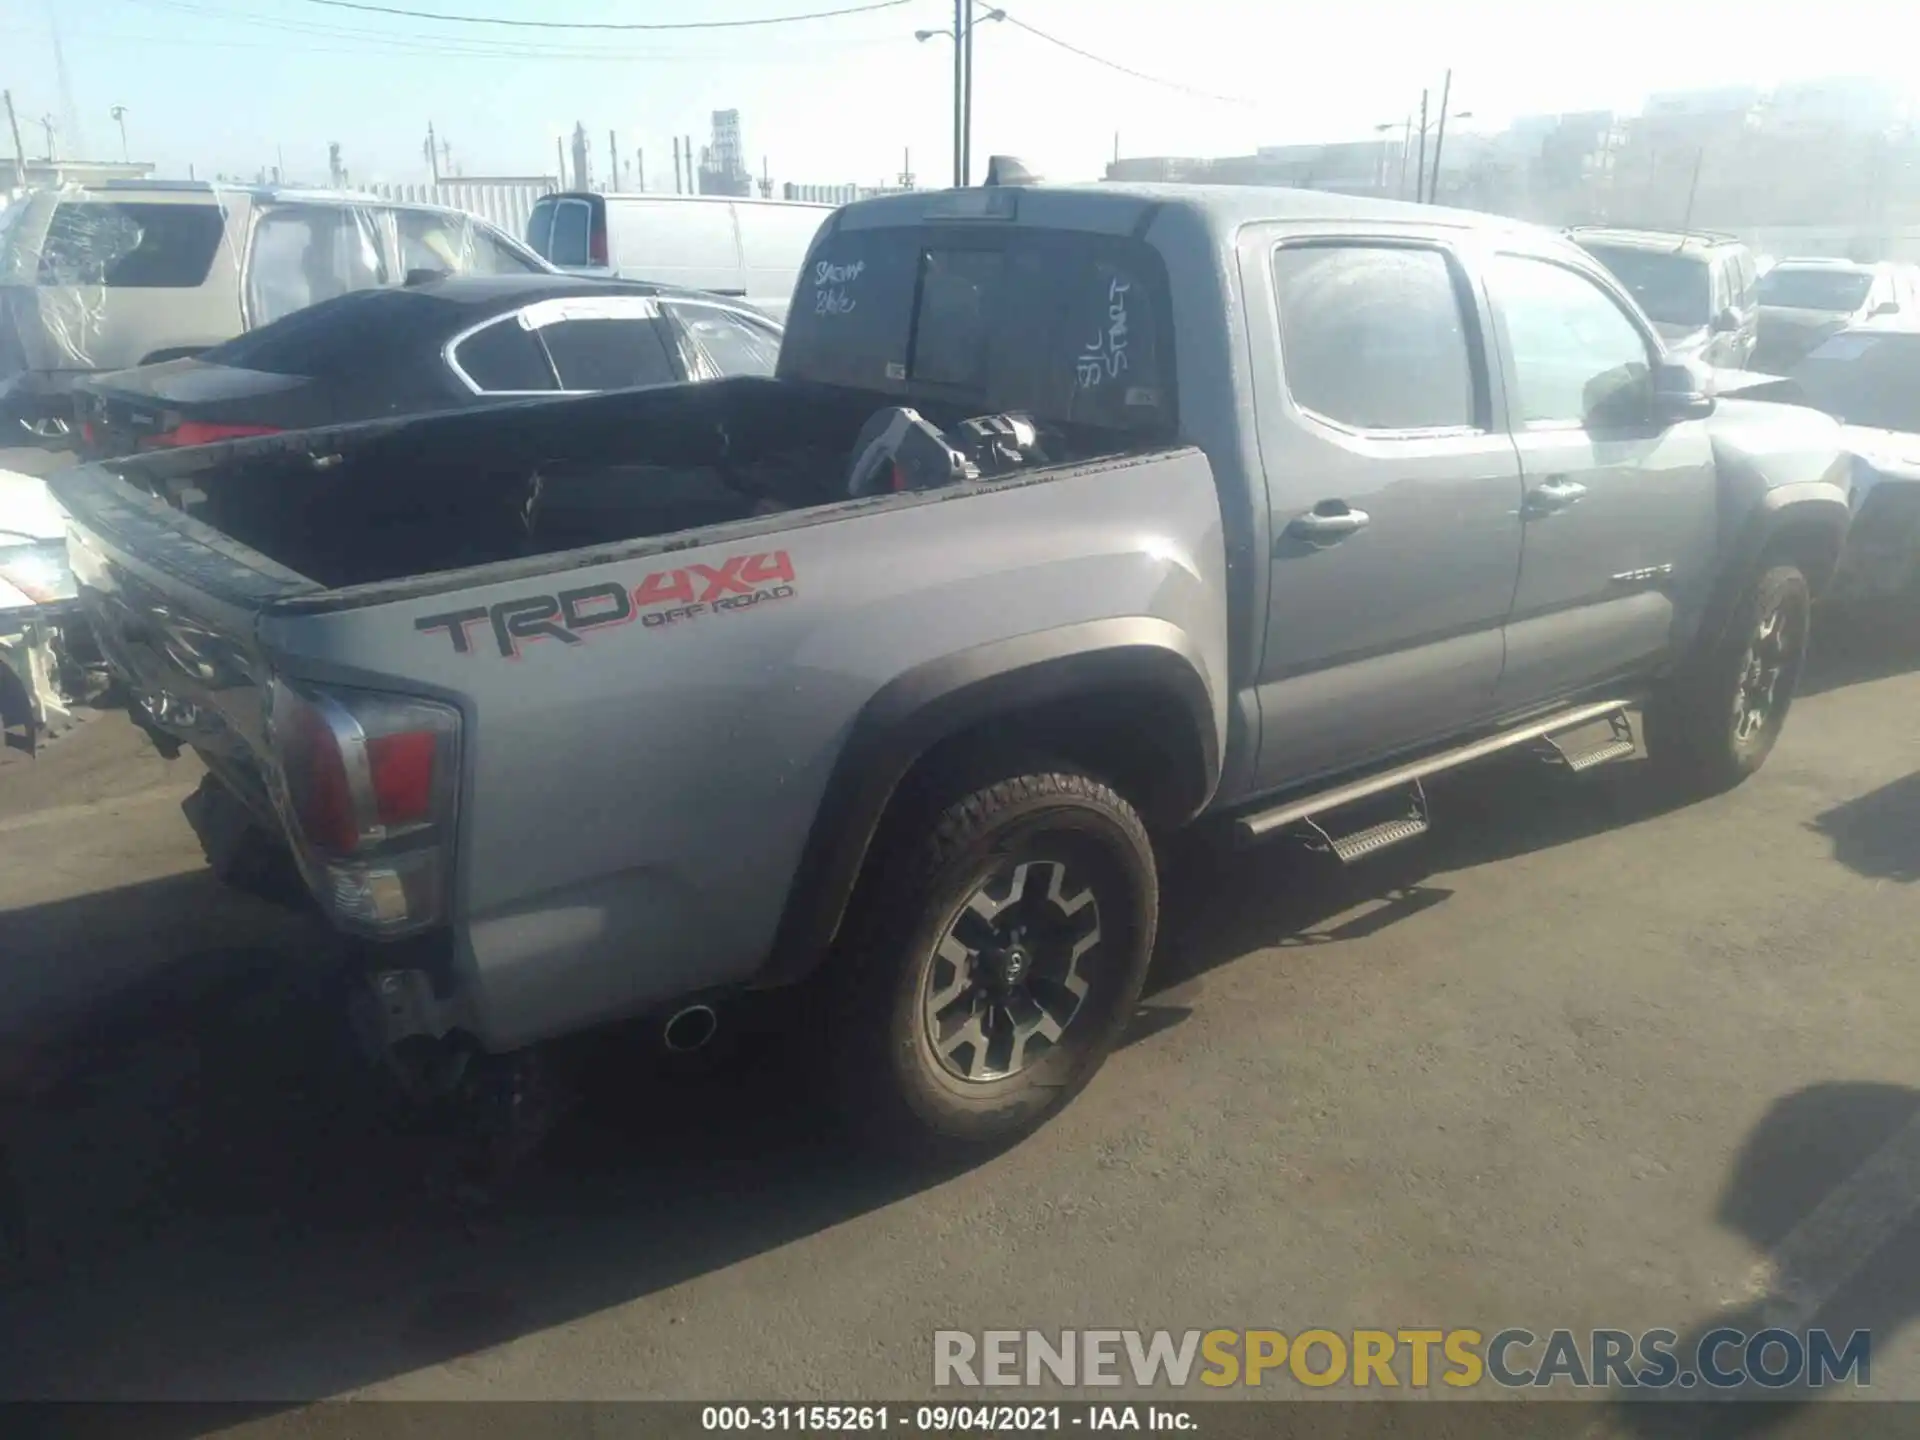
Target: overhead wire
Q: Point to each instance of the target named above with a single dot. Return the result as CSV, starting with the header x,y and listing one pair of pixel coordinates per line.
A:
x,y
416,42
445,18
1115,65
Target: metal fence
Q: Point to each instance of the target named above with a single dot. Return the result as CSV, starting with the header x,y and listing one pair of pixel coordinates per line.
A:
x,y
506,202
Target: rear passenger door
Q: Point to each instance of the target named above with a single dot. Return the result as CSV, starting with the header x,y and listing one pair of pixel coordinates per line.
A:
x,y
302,254
1393,497
1619,508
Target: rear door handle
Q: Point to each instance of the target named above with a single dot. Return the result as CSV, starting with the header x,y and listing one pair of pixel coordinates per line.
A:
x,y
1553,495
1324,524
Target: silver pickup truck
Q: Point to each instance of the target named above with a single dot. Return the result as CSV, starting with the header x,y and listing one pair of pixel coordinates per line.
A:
x,y
1073,514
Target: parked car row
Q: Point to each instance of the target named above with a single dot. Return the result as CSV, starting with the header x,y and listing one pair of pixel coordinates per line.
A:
x,y
1711,297
153,315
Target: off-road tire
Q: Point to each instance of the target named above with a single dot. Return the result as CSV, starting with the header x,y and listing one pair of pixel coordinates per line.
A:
x,y
1692,725
926,867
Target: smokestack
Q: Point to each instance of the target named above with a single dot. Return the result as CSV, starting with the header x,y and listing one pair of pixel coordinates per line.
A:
x,y
676,164
693,178
613,164
640,170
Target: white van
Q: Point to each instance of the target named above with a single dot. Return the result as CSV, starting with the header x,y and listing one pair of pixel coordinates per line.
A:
x,y
752,249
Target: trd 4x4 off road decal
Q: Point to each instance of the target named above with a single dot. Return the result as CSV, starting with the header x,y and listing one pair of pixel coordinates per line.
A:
x,y
662,598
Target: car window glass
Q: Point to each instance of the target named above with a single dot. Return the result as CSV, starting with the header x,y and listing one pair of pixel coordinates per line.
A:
x,y
130,245
452,244
1577,358
1815,288
734,344
571,222
540,230
504,356
609,354
1372,336
1672,288
303,254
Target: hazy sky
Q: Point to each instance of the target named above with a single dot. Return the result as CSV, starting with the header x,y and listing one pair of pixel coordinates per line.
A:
x,y
225,84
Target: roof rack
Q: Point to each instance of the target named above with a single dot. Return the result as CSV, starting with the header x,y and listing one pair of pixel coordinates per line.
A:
x,y
197,186
1719,236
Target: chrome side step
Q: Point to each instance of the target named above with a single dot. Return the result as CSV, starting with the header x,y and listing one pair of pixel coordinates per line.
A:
x,y
1359,843
1576,761
1262,823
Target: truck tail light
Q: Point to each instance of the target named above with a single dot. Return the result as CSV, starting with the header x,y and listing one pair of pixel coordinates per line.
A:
x,y
597,237
367,785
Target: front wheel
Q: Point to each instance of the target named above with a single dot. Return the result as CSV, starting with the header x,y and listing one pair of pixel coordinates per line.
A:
x,y
1715,723
993,959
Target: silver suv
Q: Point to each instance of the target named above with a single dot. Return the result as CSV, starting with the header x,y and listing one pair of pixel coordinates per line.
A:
x,y
130,273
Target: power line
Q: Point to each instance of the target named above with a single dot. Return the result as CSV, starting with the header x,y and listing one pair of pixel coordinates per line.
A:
x,y
391,41
1011,19
609,24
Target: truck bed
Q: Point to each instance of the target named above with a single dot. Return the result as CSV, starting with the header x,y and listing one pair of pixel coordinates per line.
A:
x,y
360,504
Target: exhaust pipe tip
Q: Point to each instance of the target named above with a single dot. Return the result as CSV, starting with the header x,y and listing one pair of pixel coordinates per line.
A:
x,y
689,1029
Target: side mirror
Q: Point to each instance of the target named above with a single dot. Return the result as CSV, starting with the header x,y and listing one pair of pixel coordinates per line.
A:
x,y
1681,391
1887,307
424,276
1726,322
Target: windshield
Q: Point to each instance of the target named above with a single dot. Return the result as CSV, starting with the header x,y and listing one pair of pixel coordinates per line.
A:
x,y
1865,379
1672,289
1841,291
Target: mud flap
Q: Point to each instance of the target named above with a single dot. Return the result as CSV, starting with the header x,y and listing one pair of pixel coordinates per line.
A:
x,y
239,851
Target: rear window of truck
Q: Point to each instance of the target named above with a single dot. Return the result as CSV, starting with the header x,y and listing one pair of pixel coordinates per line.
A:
x,y
129,245
1072,327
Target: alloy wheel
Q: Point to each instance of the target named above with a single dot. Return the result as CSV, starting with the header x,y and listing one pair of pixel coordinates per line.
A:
x,y
1010,974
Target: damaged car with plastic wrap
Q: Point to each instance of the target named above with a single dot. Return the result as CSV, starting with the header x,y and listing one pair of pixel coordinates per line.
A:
x,y
49,666
139,272
1072,516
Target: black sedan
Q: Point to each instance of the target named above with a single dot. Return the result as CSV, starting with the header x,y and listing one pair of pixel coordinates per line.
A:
x,y
439,345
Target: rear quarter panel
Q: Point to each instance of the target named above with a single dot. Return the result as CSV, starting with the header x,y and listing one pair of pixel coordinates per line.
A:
x,y
635,804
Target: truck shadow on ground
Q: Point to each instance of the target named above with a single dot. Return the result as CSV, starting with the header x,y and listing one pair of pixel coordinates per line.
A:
x,y
219,1208
1223,902
1878,834
1826,1190
1855,649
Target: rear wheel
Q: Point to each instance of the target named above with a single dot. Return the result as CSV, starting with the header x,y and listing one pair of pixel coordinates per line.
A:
x,y
1716,722
993,959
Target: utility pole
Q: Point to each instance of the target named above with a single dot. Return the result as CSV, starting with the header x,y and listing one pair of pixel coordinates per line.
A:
x,y
1440,137
959,95
966,143
676,165
19,150
1693,186
613,163
433,154
1420,178
693,183
119,113
640,171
